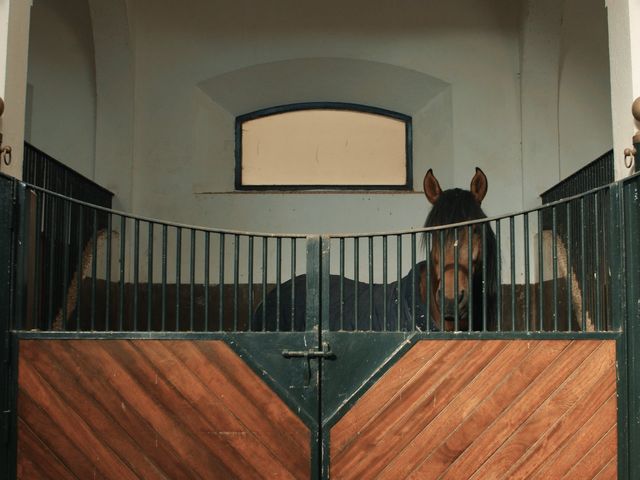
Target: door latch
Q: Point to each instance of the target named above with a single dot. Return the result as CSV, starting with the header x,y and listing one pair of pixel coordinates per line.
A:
x,y
5,150
311,353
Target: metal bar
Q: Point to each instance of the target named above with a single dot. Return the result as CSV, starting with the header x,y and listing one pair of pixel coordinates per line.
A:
x,y
413,281
66,227
123,235
207,271
356,278
541,274
264,283
471,274
583,284
554,254
370,283
442,282
342,284
597,270
484,277
512,250
164,277
456,268
527,298
136,271
149,275
250,282
37,297
278,280
499,278
107,294
384,282
221,284
178,274
569,267
79,266
236,279
94,266
399,278
293,283
192,280
427,288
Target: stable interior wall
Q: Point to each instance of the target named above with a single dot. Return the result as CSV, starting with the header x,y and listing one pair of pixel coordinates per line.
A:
x,y
461,69
61,91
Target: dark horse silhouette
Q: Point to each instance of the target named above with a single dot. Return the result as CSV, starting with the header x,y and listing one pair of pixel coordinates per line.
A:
x,y
456,283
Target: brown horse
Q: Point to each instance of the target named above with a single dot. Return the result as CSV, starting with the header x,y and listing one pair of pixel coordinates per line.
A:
x,y
461,277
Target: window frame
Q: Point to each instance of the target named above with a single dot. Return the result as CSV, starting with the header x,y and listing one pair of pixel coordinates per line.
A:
x,y
353,107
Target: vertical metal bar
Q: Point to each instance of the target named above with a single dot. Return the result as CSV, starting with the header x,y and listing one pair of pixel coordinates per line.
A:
x,y
341,283
413,281
370,283
79,264
66,226
484,277
293,282
499,277
471,274
207,265
192,279
442,281
221,284
597,270
250,282
583,284
399,278
278,280
150,226
264,283
178,274
164,277
456,268
384,282
554,253
136,271
512,249
356,277
123,235
541,274
568,267
427,288
107,293
94,266
527,298
37,297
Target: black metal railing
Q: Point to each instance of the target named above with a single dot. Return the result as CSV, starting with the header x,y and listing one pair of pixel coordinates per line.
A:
x,y
137,274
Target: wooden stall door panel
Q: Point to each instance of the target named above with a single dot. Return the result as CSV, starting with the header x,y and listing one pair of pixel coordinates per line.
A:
x,y
509,409
151,409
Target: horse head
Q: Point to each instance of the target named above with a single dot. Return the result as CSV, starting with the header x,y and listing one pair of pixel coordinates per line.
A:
x,y
456,254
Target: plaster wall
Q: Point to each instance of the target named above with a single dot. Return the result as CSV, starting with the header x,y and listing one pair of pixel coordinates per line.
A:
x,y
61,113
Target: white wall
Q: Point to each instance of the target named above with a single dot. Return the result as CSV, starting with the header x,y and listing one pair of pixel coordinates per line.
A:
x,y
584,108
185,70
61,119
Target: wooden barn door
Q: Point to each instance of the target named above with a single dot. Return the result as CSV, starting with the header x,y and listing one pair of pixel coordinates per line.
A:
x,y
473,408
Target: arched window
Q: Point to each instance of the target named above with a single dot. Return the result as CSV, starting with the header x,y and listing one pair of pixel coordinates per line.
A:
x,y
323,146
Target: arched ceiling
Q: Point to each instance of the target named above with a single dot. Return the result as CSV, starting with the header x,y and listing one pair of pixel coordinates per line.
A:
x,y
322,79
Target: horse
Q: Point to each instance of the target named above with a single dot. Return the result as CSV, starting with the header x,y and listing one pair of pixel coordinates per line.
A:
x,y
402,305
450,265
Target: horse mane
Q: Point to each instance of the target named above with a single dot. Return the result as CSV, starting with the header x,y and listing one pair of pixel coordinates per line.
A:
x,y
456,206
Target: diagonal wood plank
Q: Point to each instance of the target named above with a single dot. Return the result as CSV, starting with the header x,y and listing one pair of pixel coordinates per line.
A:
x,y
42,462
495,373
108,407
597,369
597,458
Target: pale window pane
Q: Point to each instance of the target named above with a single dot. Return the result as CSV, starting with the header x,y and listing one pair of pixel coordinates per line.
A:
x,y
324,148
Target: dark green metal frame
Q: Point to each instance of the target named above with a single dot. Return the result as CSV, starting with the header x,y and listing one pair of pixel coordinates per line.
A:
x,y
323,388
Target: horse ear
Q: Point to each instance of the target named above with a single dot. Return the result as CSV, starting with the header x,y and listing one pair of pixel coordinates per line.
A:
x,y
431,187
479,185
